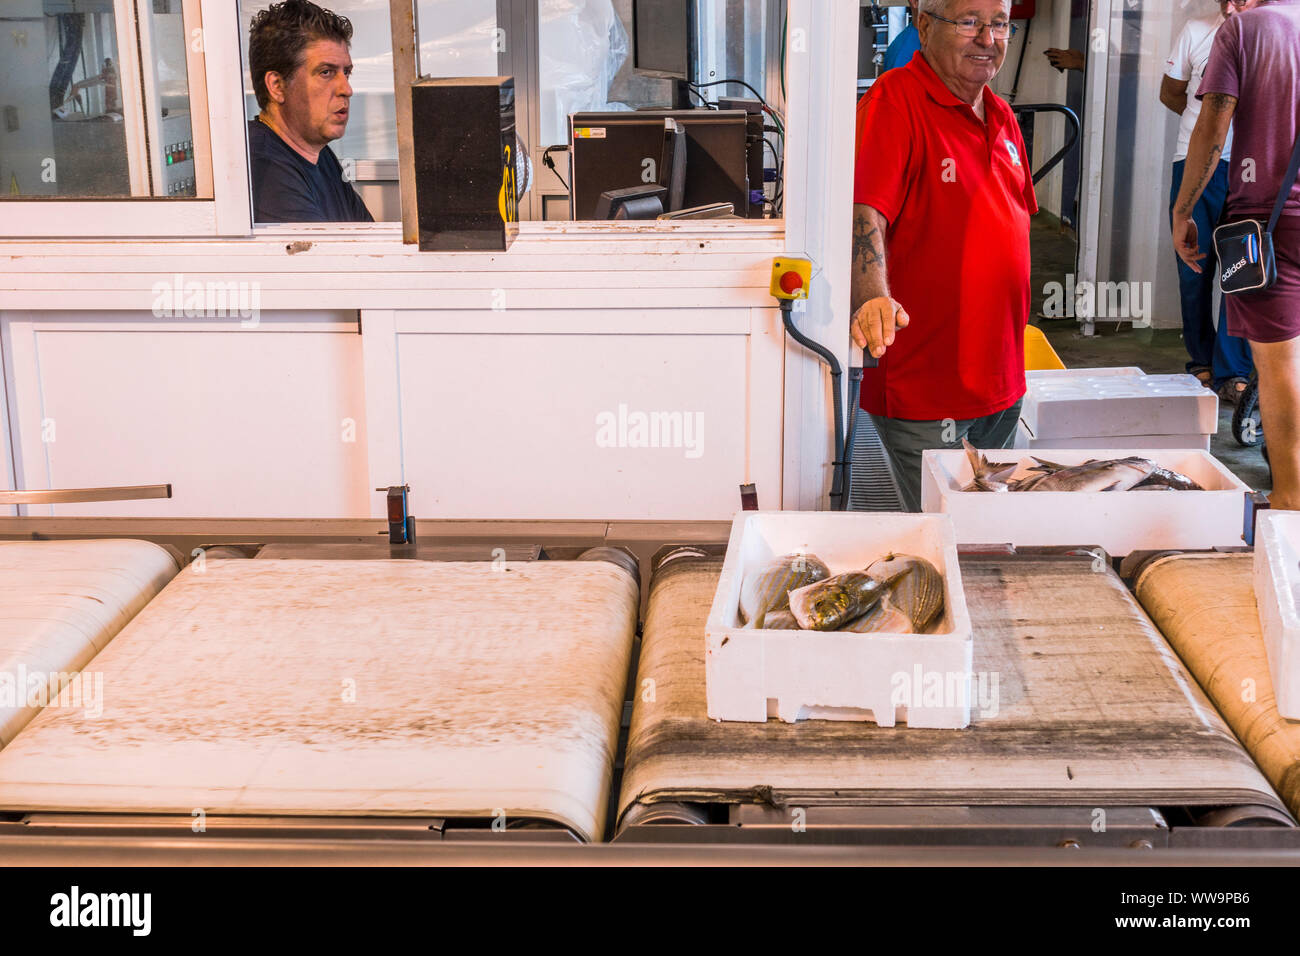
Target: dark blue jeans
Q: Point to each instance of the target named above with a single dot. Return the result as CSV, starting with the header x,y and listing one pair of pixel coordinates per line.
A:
x,y
1227,355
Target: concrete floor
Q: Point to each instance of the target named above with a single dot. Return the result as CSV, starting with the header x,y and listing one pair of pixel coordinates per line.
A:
x,y
1155,351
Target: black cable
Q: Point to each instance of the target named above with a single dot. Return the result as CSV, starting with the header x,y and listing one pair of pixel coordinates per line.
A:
x,y
768,109
550,164
838,501
738,83
779,185
700,96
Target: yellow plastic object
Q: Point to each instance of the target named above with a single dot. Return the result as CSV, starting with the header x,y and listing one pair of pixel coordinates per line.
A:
x,y
1039,354
791,278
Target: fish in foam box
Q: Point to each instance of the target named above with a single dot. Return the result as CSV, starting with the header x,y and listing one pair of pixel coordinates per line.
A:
x,y
923,680
1277,592
1121,522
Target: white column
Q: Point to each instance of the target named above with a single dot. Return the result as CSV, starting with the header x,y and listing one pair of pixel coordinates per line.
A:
x,y
821,83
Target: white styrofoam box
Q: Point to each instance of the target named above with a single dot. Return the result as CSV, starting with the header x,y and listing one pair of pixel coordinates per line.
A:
x,y
1277,592
1026,440
1075,403
1119,521
1069,373
921,679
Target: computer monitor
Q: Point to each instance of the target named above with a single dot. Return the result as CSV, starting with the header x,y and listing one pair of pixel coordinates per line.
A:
x,y
664,37
616,151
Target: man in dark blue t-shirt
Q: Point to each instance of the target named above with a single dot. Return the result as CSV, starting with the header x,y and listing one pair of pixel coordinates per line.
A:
x,y
300,61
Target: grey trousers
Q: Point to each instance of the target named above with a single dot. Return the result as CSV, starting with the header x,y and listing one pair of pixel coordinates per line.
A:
x,y
904,441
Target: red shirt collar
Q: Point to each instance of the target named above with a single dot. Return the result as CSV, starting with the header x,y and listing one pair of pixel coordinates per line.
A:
x,y
994,110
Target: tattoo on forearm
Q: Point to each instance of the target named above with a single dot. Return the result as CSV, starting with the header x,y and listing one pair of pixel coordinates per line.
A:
x,y
1207,173
1218,102
865,240
1216,114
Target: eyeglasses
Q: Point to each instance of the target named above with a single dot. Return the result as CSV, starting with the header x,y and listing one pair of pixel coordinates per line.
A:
x,y
1000,29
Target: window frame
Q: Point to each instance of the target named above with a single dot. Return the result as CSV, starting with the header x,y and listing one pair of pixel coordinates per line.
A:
x,y
217,93
214,26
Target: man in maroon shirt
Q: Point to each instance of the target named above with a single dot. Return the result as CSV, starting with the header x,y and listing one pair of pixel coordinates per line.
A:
x,y
1252,83
940,285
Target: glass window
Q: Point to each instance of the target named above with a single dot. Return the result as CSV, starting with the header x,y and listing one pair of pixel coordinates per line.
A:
x,y
94,108
174,166
367,150
458,38
372,121
588,63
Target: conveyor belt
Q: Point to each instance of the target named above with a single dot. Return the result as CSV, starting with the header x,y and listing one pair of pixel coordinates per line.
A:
x,y
61,602
1205,605
351,688
1094,710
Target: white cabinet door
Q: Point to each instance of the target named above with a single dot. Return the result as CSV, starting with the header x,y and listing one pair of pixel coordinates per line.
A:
x,y
260,422
619,414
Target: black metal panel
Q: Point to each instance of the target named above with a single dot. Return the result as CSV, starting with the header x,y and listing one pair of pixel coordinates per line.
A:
x,y
464,138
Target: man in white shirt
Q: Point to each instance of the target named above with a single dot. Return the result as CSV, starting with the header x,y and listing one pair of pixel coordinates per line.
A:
x,y
1221,361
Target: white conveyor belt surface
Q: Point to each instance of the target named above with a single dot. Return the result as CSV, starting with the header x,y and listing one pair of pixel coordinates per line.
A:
x,y
345,688
1092,709
61,602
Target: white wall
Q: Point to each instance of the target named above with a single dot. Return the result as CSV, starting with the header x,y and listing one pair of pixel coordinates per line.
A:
x,y
478,379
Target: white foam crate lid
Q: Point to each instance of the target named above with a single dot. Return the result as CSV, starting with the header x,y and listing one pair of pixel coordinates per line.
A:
x,y
920,679
1119,521
1277,592
1026,440
1074,403
1042,374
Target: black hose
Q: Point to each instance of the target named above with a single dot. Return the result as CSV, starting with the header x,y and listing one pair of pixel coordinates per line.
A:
x,y
838,498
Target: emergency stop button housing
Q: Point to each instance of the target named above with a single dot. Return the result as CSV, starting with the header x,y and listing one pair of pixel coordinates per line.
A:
x,y
791,278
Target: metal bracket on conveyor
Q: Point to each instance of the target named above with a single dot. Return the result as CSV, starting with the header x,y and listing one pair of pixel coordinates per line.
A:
x,y
1255,503
749,497
65,496
401,523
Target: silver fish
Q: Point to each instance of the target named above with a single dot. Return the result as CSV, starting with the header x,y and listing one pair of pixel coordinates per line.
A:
x,y
884,618
829,605
918,593
768,588
781,620
1120,474
1168,478
989,476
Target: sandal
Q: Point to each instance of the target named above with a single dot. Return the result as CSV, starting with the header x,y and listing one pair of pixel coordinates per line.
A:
x,y
1231,390
1204,374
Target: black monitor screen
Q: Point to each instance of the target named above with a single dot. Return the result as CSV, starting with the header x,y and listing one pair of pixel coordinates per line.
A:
x,y
662,37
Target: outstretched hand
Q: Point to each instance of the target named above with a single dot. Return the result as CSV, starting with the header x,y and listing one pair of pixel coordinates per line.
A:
x,y
875,323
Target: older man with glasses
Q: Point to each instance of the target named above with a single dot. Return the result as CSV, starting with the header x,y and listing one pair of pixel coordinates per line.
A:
x,y
942,199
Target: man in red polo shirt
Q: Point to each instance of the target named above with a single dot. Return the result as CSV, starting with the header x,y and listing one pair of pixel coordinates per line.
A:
x,y
942,199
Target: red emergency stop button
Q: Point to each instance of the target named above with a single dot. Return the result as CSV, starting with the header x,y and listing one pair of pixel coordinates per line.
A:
x,y
791,283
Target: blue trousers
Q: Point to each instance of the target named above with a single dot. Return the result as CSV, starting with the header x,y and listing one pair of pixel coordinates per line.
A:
x,y
1227,355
